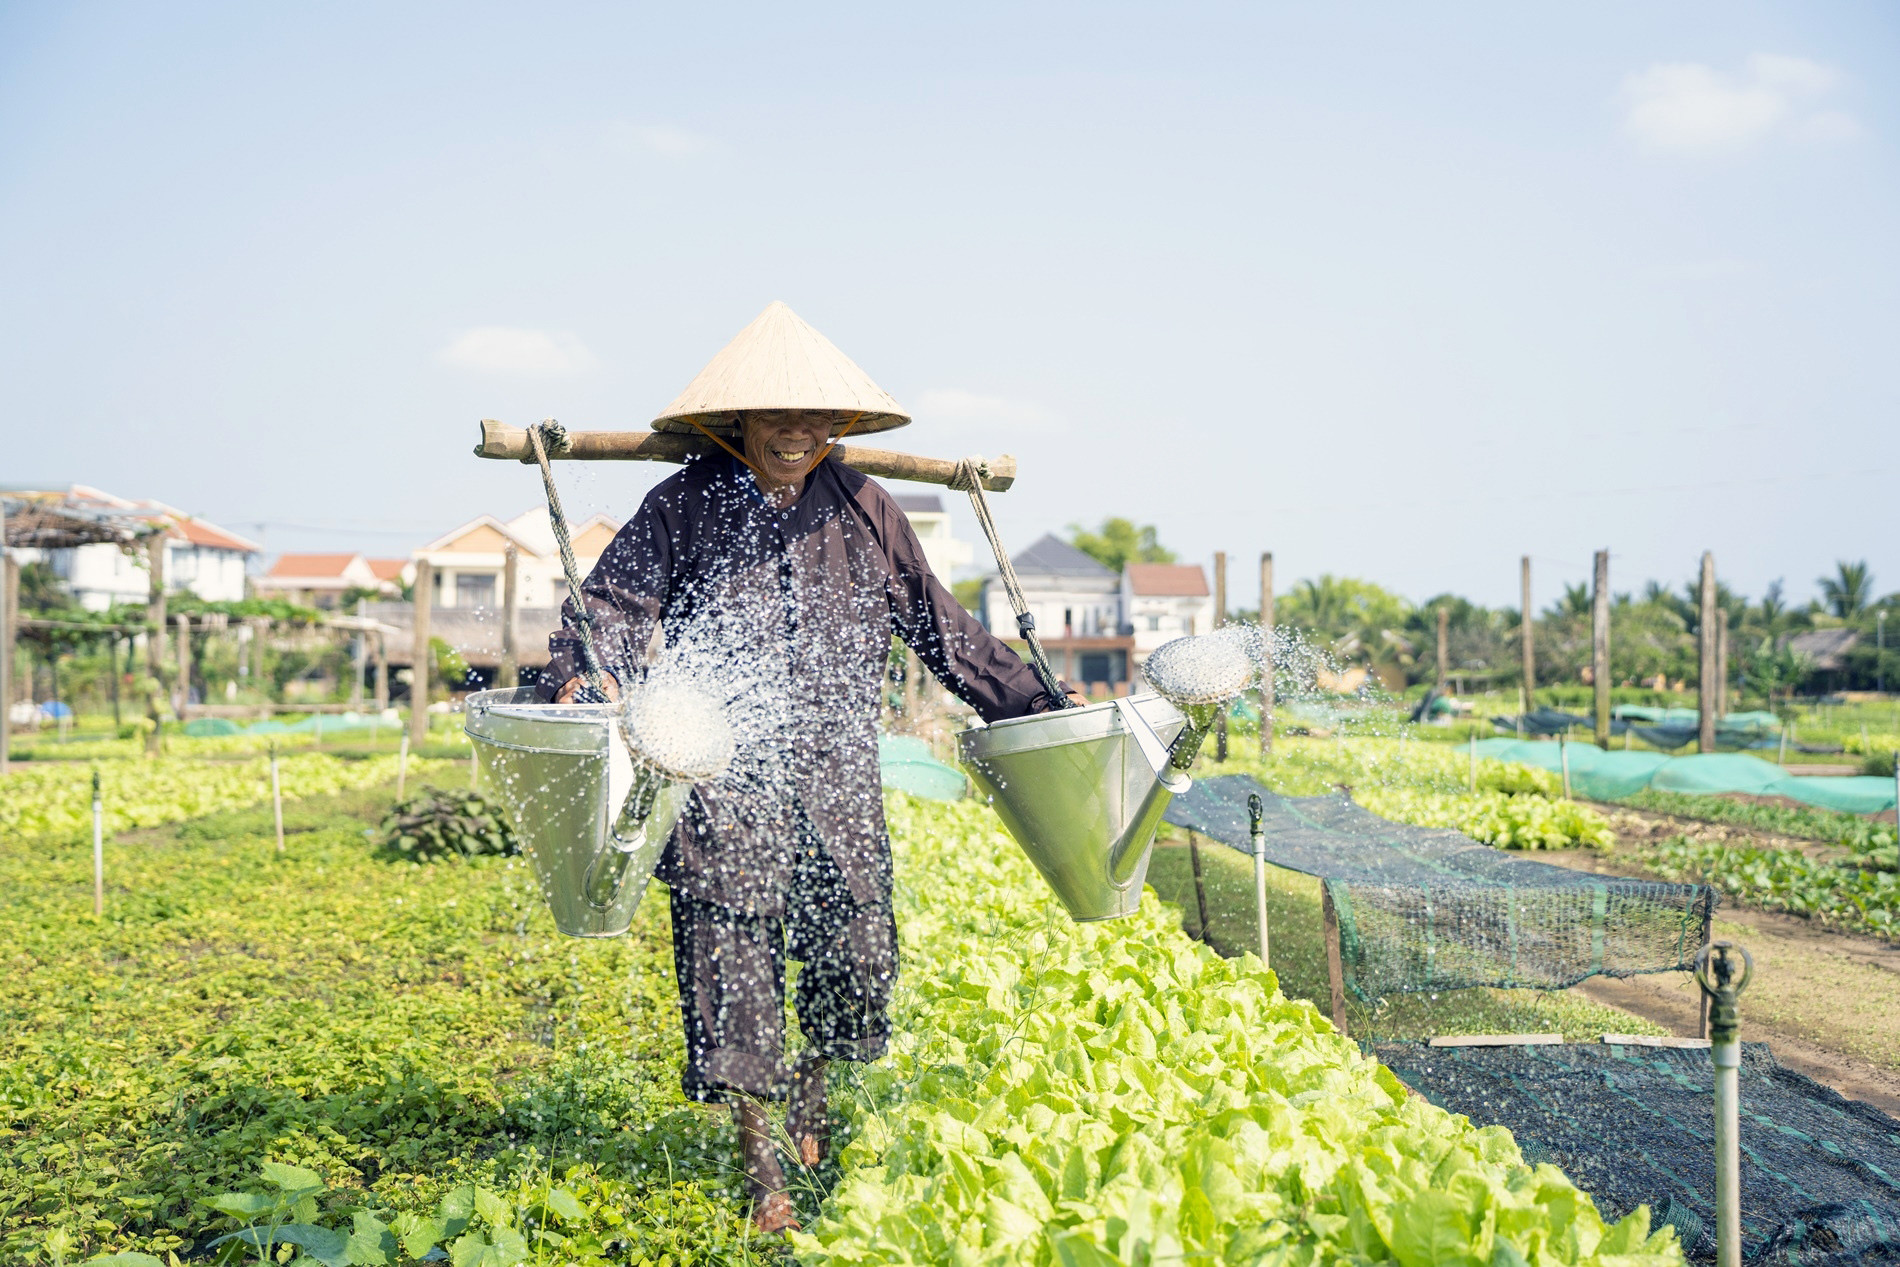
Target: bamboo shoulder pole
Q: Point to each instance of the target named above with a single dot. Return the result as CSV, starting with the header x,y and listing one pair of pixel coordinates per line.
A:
x,y
510,444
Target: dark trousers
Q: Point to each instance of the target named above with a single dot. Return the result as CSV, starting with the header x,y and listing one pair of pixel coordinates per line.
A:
x,y
731,972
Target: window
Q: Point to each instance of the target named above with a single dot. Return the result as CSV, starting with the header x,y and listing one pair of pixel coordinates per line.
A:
x,y
1154,624
1101,666
474,591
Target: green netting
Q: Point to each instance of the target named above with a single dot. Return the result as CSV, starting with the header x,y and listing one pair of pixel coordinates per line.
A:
x,y
1594,774
1610,776
1424,908
211,727
1707,772
906,763
1852,794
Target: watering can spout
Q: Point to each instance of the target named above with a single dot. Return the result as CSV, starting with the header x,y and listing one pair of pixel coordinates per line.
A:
x,y
1130,848
1083,790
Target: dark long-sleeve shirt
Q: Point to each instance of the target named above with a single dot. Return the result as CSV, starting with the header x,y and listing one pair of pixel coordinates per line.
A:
x,y
789,614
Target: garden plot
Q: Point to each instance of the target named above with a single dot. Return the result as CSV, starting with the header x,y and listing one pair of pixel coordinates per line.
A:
x,y
452,1071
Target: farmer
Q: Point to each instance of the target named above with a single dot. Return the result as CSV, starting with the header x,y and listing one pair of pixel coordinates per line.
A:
x,y
786,855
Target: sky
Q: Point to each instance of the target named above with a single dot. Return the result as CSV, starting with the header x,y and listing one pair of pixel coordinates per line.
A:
x,y
1394,291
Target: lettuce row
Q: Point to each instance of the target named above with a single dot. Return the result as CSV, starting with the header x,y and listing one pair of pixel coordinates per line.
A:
x,y
1080,1095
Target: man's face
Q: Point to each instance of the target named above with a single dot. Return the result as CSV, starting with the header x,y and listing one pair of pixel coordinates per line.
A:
x,y
783,445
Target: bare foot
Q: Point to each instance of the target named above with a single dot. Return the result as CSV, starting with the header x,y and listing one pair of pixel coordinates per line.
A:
x,y
807,1119
773,1213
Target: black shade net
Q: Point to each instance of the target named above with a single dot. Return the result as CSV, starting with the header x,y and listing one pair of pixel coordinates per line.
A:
x,y
1636,1126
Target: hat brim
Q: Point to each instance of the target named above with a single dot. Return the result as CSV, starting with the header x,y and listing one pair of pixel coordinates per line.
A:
x,y
726,422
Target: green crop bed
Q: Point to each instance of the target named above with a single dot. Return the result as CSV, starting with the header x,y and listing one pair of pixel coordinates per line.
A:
x,y
450,1072
1862,835
1511,806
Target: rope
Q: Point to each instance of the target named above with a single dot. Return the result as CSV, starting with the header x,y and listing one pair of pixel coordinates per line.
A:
x,y
969,476
719,440
595,692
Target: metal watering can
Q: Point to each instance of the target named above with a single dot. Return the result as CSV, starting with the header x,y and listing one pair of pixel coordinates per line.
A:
x,y
594,790
1082,790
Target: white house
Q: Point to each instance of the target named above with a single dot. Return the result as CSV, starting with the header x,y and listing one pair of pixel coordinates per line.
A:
x,y
468,562
200,557
1070,594
321,580
1164,601
931,522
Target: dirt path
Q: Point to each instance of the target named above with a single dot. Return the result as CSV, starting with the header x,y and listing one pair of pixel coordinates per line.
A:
x,y
1827,1002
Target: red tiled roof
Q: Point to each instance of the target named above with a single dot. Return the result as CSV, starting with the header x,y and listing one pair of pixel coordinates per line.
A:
x,y
309,565
200,533
387,569
1167,580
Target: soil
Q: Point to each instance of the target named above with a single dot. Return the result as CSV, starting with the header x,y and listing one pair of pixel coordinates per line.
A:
x,y
1827,1002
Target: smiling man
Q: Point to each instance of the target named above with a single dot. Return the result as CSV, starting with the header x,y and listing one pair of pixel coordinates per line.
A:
x,y
788,565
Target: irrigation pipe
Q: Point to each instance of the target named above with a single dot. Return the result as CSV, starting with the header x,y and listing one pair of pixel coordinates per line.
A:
x,y
1256,812
1723,969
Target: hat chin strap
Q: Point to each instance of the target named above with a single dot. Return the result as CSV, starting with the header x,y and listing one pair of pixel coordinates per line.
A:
x,y
763,479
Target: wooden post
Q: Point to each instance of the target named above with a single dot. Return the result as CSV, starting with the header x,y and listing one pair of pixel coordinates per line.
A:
x,y
9,593
1200,889
1530,654
98,849
1600,646
1705,657
1721,666
184,665
112,678
277,796
509,674
1335,963
420,657
1444,647
155,604
382,673
1220,618
359,659
1266,653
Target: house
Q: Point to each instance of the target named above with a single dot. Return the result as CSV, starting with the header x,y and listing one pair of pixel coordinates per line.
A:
x,y
1824,649
1164,601
321,580
468,562
931,522
200,557
1077,605
1070,594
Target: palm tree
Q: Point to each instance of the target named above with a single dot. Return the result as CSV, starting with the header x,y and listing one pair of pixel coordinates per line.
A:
x,y
1846,592
1575,602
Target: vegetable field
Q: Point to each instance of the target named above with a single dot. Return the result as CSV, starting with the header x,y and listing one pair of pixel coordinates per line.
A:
x,y
383,1058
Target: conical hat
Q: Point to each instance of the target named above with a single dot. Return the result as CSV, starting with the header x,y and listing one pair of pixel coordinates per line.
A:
x,y
779,363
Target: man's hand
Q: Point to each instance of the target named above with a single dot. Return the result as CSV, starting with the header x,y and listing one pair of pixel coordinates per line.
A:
x,y
571,687
1076,701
